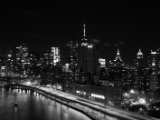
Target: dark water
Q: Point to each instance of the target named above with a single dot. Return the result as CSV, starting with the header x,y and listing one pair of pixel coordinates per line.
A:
x,y
32,106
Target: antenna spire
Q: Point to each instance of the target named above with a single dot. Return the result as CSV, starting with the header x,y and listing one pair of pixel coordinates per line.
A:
x,y
84,31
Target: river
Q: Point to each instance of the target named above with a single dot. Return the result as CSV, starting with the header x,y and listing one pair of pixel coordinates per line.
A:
x,y
32,106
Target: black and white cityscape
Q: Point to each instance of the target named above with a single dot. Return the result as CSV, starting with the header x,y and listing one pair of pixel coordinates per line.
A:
x,y
52,67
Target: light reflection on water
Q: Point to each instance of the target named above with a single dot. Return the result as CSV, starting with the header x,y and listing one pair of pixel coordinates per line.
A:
x,y
32,106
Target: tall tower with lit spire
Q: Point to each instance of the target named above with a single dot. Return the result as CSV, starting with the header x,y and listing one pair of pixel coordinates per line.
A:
x,y
118,56
84,39
84,45
89,55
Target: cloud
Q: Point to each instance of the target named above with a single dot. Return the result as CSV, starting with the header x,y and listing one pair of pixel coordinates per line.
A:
x,y
33,34
121,42
33,14
67,44
106,44
95,40
115,44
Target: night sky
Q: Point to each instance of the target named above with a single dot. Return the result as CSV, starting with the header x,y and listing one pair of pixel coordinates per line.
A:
x,y
41,25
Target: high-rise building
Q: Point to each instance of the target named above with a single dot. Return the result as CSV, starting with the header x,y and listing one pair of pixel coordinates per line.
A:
x,y
9,53
84,44
92,58
52,56
139,63
21,52
102,63
153,63
9,61
33,58
102,70
47,57
139,77
139,54
21,58
55,55
119,71
73,52
89,55
118,56
153,59
117,63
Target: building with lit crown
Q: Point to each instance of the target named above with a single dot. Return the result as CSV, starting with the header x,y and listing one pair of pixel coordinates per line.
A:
x,y
118,63
139,78
89,55
83,54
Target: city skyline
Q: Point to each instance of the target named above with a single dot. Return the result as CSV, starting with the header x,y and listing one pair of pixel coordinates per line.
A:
x,y
101,59
118,52
126,27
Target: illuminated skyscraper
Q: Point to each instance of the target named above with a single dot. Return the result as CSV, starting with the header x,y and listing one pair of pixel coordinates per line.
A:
x,y
47,57
9,53
153,59
102,63
117,69
117,62
84,58
118,56
153,63
55,55
89,55
92,58
9,62
52,56
73,52
102,70
21,57
21,52
139,63
139,78
33,58
139,54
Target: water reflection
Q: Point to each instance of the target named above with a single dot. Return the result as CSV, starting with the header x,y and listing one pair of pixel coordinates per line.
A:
x,y
32,106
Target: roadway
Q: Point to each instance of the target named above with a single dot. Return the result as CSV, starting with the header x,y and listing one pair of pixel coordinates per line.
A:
x,y
112,113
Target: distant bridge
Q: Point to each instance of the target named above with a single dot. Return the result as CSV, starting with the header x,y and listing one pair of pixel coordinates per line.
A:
x,y
9,79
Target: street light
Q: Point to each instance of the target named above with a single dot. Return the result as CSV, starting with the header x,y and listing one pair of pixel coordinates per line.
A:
x,y
126,95
132,91
142,101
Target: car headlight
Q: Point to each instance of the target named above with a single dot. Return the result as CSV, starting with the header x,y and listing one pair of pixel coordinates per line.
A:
x,y
156,108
